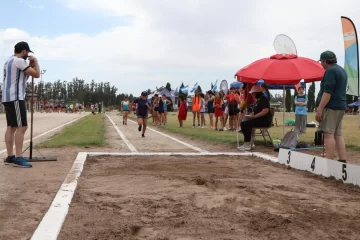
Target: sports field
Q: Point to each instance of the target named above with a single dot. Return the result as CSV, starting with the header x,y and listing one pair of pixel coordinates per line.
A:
x,y
140,193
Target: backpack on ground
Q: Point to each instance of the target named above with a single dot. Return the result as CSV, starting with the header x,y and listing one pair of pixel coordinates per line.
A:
x,y
290,140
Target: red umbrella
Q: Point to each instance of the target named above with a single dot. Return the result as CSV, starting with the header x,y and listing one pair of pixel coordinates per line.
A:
x,y
281,69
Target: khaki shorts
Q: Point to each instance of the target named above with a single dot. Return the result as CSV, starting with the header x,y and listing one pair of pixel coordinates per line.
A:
x,y
332,121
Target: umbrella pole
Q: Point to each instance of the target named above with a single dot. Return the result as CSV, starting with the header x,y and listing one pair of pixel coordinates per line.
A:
x,y
283,110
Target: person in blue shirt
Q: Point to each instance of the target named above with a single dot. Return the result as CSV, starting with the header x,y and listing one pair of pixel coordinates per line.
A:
x,y
266,91
301,111
142,110
125,108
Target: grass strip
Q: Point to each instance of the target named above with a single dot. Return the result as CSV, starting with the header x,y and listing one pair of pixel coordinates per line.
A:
x,y
88,131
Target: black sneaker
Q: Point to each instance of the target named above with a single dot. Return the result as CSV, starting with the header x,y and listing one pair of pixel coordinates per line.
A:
x,y
343,161
9,160
139,128
142,135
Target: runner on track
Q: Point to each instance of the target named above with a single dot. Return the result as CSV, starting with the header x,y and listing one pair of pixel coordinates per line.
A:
x,y
142,110
125,109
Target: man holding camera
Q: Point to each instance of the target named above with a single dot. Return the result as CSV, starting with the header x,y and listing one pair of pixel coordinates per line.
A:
x,y
16,73
331,110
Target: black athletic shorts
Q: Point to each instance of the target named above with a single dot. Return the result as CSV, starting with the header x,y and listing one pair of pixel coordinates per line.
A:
x,y
233,110
156,109
211,110
161,111
16,113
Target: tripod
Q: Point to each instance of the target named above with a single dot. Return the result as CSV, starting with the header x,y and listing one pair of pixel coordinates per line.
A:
x,y
31,158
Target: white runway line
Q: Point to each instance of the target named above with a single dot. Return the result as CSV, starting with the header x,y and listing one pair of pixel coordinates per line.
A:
x,y
51,130
175,139
122,136
51,224
143,154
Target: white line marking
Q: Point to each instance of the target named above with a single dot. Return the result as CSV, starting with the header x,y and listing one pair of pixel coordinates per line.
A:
x,y
50,226
128,144
51,130
265,157
175,139
92,154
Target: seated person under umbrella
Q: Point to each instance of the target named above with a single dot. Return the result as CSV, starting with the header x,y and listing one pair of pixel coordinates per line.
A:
x,y
260,118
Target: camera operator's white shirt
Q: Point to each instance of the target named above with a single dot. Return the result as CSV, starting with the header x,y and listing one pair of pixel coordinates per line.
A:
x,y
14,82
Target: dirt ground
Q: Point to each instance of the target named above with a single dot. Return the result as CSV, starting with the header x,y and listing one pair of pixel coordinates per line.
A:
x,y
168,198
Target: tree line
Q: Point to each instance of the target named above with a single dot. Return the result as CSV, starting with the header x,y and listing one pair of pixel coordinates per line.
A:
x,y
77,90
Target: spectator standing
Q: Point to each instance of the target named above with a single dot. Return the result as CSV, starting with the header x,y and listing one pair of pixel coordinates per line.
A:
x,y
301,111
332,107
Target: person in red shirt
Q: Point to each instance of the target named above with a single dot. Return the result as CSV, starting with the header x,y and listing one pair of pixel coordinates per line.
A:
x,y
182,113
233,101
218,103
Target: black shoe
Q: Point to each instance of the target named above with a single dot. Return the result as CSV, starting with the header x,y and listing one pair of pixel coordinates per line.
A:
x,y
343,161
9,160
139,128
142,135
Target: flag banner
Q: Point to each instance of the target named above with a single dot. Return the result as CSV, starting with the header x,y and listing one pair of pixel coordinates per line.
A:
x,y
195,87
214,87
351,56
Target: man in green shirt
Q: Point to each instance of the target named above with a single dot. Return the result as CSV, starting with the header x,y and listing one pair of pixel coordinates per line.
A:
x,y
331,110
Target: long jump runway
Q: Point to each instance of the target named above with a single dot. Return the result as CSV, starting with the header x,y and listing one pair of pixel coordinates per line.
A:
x,y
25,192
194,195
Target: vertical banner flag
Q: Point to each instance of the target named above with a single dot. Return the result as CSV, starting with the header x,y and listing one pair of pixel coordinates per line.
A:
x,y
185,89
351,56
214,86
195,87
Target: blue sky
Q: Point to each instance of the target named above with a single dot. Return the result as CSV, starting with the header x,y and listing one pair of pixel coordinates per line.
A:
x,y
141,44
52,18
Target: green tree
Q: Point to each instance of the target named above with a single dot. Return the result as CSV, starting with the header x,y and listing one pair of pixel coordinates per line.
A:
x,y
181,93
311,98
288,100
293,100
199,89
168,86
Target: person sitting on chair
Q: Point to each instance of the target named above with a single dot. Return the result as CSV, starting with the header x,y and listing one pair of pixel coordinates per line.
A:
x,y
260,118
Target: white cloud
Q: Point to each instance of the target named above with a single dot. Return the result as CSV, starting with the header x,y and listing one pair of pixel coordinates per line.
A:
x,y
188,40
38,6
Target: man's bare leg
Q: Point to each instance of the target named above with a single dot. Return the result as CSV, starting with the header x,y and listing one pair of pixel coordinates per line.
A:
x,y
329,141
19,140
9,140
340,146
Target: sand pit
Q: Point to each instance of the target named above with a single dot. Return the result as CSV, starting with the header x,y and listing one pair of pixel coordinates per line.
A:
x,y
207,198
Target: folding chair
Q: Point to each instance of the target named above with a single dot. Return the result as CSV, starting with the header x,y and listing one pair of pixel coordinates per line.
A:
x,y
263,131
